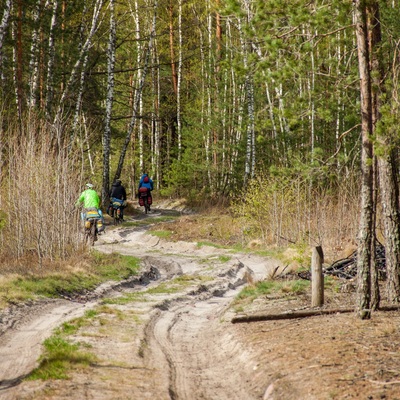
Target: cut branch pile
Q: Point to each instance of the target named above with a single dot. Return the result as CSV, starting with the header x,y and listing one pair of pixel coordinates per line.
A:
x,y
345,268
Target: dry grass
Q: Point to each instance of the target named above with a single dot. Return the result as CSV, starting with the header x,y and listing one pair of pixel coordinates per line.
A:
x,y
283,211
40,182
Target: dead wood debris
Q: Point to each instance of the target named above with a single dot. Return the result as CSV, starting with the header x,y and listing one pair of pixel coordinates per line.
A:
x,y
299,314
345,268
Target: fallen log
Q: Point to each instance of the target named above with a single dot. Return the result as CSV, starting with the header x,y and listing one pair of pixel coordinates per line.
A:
x,y
301,314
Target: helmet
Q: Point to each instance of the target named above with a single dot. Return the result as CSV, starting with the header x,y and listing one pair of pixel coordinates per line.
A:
x,y
89,185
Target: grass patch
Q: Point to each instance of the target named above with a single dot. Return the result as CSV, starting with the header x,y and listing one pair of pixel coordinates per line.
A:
x,y
267,287
71,327
60,355
93,269
125,299
178,284
211,244
224,259
161,234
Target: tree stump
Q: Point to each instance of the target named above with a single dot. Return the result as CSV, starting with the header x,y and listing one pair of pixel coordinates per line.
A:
x,y
317,277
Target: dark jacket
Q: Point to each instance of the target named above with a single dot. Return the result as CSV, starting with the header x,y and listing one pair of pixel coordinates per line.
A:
x,y
118,191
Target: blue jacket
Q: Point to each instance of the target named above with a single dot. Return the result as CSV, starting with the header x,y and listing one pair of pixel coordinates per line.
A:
x,y
148,184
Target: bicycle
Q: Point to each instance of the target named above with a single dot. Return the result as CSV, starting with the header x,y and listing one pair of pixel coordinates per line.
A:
x,y
145,199
92,220
116,210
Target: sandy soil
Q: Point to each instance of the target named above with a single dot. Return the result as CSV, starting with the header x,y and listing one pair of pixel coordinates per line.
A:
x,y
183,345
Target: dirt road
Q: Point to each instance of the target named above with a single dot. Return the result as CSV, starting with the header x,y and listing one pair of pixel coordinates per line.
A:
x,y
173,344
169,336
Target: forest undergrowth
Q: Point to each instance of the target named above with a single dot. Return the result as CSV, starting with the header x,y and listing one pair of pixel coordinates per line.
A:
x,y
284,212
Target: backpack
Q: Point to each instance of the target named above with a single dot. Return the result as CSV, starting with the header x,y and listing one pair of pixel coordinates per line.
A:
x,y
146,179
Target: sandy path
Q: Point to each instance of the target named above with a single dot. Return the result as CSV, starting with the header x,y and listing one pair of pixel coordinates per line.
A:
x,y
189,350
21,347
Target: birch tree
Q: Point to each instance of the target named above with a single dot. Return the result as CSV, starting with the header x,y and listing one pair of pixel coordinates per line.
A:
x,y
80,60
34,59
50,61
109,104
138,95
3,27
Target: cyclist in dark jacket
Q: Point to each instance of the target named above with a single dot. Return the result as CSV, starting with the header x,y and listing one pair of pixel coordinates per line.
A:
x,y
118,194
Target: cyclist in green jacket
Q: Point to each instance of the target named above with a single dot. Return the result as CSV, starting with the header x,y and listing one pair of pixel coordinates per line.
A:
x,y
90,200
89,197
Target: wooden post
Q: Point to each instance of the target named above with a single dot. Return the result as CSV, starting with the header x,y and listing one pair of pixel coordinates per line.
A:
x,y
317,277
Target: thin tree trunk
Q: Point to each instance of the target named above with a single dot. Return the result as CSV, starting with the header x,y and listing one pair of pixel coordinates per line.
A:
x,y
18,60
137,97
179,81
50,61
249,87
171,46
34,61
139,78
81,58
3,27
109,104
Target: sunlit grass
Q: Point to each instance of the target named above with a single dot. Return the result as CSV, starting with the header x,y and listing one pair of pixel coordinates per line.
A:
x,y
61,356
125,299
268,287
96,269
163,234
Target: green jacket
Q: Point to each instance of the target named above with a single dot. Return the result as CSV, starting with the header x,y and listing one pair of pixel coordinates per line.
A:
x,y
90,199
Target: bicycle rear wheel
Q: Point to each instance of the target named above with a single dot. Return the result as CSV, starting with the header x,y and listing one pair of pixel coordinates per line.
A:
x,y
93,233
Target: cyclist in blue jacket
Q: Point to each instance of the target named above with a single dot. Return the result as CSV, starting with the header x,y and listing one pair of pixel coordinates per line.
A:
x,y
146,182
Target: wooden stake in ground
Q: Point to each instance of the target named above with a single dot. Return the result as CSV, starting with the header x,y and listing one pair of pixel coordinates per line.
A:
x,y
317,277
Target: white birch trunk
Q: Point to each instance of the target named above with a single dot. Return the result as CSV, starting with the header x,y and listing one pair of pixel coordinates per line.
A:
x,y
15,71
81,58
34,60
139,78
179,81
109,104
50,61
157,123
3,27
209,101
138,95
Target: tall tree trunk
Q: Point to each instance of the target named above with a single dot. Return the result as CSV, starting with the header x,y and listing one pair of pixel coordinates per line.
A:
x,y
249,87
137,96
386,163
179,81
139,51
3,27
34,61
84,48
18,60
50,61
109,104
366,217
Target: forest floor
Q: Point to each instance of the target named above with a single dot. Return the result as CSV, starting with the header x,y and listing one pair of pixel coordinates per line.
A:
x,y
173,337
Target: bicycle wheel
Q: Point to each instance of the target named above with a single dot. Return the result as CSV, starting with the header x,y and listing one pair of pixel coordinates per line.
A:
x,y
146,205
93,233
86,235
